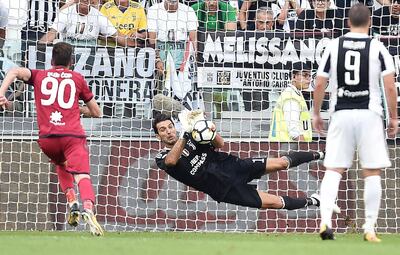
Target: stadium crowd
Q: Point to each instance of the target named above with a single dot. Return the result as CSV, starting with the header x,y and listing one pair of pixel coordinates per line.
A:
x,y
131,20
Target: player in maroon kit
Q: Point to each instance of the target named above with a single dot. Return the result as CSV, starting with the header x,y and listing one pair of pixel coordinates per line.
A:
x,y
61,136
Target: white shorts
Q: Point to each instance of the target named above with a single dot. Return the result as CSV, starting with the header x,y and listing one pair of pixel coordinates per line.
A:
x,y
356,129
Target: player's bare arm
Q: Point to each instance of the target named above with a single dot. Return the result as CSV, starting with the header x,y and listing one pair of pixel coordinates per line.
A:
x,y
391,97
319,93
91,109
15,73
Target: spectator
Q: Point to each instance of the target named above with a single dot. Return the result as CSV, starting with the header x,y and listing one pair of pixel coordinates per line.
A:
x,y
128,17
171,26
171,21
291,120
321,18
343,6
386,20
82,24
247,13
258,100
41,15
346,4
265,19
215,15
286,12
3,23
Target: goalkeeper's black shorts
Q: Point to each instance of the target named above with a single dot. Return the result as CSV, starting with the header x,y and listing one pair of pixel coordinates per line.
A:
x,y
241,192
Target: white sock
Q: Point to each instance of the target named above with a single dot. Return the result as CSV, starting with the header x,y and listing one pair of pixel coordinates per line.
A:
x,y
329,190
372,201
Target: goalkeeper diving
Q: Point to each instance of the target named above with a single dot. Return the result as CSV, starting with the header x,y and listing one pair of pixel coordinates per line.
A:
x,y
223,176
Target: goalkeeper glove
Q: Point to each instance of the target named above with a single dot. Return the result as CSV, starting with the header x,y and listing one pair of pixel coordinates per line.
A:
x,y
195,116
183,117
189,118
184,135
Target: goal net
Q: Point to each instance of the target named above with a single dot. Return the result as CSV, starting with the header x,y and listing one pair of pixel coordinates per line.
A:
x,y
234,73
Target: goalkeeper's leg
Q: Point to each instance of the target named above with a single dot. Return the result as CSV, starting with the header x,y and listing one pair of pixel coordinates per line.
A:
x,y
293,159
270,201
66,181
88,198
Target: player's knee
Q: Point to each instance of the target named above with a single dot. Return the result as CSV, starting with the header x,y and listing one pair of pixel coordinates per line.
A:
x,y
371,172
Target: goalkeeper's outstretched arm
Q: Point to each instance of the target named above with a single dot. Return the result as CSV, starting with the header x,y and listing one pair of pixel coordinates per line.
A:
x,y
218,141
175,153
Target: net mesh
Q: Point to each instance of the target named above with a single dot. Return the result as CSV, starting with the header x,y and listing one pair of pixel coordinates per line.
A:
x,y
234,69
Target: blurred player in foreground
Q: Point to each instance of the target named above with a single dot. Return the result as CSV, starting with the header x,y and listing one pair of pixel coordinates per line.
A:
x,y
223,176
355,64
61,136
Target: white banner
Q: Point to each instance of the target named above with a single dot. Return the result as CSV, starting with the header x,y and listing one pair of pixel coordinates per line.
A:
x,y
244,78
113,74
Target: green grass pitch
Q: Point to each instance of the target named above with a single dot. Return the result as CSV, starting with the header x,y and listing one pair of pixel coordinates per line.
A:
x,y
165,243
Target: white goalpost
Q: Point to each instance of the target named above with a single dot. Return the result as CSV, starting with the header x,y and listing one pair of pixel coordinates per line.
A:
x,y
236,77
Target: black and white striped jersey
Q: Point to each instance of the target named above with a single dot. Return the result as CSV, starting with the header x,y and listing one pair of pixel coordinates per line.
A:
x,y
355,64
41,14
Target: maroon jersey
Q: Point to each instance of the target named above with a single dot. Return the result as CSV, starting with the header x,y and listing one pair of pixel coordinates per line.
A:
x,y
57,94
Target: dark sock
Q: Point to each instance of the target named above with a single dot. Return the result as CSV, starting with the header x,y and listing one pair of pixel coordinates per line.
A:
x,y
296,158
290,203
313,201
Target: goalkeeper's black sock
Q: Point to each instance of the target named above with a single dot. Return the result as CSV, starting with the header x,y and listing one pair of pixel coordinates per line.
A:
x,y
296,158
290,203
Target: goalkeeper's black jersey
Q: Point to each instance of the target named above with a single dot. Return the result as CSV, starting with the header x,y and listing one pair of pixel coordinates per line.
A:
x,y
201,167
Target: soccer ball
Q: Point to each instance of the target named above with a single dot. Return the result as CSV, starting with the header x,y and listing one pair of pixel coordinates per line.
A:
x,y
202,132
